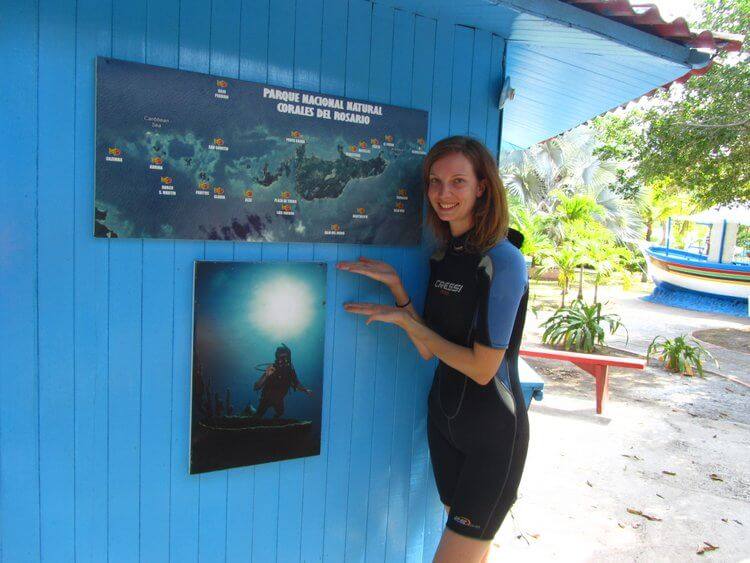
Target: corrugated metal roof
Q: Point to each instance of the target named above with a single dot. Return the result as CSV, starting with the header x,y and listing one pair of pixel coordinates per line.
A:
x,y
648,18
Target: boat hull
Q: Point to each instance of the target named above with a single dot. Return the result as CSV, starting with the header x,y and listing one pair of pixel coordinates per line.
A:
x,y
694,273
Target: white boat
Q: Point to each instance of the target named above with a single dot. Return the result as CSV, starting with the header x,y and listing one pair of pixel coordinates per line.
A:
x,y
718,267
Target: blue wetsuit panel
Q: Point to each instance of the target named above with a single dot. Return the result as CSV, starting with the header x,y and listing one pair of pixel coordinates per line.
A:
x,y
503,280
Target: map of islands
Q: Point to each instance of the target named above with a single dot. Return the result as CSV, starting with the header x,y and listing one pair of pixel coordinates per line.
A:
x,y
184,155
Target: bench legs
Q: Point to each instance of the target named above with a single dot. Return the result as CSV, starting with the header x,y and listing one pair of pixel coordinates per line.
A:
x,y
601,375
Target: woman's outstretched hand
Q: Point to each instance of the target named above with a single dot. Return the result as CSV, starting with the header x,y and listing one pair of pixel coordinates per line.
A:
x,y
375,269
382,313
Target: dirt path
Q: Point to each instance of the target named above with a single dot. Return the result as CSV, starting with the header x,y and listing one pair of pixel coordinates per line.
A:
x,y
585,470
661,438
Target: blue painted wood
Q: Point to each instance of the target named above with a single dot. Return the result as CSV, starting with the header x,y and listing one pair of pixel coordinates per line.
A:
x,y
125,326
398,494
224,43
253,64
102,330
462,84
91,332
492,137
194,54
162,48
55,263
419,487
19,367
307,45
384,365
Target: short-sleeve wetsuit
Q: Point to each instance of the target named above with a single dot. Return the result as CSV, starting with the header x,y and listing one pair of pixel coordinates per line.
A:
x,y
478,434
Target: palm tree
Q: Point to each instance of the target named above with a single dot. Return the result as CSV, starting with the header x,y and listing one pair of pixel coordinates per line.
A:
x,y
566,165
536,243
566,259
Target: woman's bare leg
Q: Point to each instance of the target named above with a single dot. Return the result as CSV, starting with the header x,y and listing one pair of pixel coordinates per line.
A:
x,y
455,548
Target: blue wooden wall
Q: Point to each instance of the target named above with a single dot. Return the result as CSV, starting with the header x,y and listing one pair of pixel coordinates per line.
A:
x,y
95,335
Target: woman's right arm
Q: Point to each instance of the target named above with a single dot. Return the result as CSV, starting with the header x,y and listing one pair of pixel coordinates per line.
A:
x,y
387,275
400,295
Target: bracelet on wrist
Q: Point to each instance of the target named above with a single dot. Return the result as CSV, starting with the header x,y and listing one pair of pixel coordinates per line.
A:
x,y
404,305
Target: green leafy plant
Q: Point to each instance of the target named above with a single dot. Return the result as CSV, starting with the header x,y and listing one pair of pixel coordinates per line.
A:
x,y
580,326
678,355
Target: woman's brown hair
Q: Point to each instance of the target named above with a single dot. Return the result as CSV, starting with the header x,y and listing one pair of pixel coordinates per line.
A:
x,y
491,208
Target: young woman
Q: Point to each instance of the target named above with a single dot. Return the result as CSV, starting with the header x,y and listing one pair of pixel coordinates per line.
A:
x,y
472,322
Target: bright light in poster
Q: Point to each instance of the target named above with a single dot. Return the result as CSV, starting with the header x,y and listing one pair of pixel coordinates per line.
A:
x,y
282,307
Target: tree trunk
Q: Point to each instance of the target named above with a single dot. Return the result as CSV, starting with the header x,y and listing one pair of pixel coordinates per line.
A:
x,y
580,282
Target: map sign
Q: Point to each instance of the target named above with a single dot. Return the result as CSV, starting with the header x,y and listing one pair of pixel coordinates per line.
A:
x,y
185,155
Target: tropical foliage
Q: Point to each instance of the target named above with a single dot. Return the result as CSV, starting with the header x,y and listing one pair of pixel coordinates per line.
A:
x,y
678,355
579,326
695,136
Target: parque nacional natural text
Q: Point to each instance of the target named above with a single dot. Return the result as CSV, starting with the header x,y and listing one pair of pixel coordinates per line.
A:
x,y
322,107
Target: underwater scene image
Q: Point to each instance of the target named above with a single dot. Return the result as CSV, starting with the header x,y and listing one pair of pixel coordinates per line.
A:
x,y
257,375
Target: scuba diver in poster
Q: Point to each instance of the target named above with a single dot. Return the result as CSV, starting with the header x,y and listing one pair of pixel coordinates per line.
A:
x,y
276,381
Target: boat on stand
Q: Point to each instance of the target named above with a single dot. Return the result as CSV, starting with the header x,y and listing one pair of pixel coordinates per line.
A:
x,y
715,262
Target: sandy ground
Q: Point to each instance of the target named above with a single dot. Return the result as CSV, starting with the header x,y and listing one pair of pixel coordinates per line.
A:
x,y
584,471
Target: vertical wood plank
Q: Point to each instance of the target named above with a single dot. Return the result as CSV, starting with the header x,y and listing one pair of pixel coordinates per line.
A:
x,y
480,84
157,342
91,333
365,357
125,324
214,486
440,119
241,502
332,22
19,370
283,41
497,72
307,47
280,56
56,313
442,85
333,77
403,70
418,257
463,53
384,374
194,51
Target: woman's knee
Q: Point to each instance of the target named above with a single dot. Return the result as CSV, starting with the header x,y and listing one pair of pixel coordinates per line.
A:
x,y
456,547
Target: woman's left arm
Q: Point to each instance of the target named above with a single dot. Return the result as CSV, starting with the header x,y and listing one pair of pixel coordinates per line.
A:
x,y
480,363
506,279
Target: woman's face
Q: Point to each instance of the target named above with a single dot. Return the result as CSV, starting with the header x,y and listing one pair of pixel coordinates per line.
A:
x,y
453,190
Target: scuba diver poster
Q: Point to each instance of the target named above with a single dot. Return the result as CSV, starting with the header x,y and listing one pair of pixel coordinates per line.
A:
x,y
257,372
185,155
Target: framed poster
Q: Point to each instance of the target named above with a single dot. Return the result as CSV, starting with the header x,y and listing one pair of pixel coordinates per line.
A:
x,y
257,373
185,155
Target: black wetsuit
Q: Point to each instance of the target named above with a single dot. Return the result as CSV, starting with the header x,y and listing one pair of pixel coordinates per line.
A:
x,y
478,434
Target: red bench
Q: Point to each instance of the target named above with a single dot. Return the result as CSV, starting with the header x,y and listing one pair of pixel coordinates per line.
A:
x,y
596,365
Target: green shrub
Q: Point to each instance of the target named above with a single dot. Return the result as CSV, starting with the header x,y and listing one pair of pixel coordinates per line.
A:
x,y
579,326
678,355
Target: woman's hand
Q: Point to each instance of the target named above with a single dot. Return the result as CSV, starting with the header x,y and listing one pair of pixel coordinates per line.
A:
x,y
382,313
375,269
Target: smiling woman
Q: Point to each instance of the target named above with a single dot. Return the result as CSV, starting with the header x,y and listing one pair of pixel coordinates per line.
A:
x,y
473,320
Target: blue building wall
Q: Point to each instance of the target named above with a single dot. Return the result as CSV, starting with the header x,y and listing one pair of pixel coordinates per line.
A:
x,y
95,335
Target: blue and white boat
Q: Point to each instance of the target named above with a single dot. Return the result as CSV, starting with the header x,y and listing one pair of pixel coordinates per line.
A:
x,y
717,265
